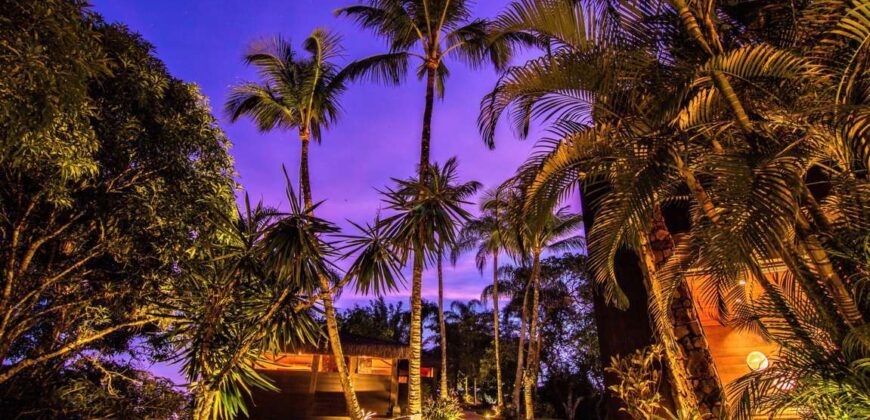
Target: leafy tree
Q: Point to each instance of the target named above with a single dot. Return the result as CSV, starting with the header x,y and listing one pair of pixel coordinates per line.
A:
x,y
95,387
111,169
378,319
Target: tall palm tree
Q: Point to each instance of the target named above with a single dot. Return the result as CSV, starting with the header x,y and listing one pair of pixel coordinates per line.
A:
x,y
428,214
301,94
553,232
484,234
426,30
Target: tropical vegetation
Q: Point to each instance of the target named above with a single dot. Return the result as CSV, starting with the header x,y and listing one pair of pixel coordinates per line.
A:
x,y
719,140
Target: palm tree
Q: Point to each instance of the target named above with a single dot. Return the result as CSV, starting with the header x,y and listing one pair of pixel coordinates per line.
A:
x,y
485,234
294,93
427,216
469,324
427,30
554,232
300,94
642,115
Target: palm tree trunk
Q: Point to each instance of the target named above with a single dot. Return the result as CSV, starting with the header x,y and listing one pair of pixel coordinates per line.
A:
x,y
529,377
415,392
684,396
443,329
518,380
499,391
813,248
304,179
354,410
427,120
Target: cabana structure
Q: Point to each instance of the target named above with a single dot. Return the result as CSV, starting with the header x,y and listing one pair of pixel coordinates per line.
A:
x,y
309,384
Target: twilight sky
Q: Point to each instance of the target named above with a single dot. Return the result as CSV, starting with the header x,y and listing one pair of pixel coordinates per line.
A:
x,y
377,137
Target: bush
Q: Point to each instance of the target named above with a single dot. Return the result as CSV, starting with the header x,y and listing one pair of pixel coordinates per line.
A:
x,y
442,409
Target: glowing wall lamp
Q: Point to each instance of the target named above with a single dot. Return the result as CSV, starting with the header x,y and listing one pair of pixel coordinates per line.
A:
x,y
757,361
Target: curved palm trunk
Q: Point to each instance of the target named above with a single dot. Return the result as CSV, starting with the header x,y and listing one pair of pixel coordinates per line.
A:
x,y
415,393
426,137
354,410
443,329
684,396
499,391
530,374
518,379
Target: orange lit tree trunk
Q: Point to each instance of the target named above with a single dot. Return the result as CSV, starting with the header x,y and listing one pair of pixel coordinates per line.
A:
x,y
354,410
530,374
685,401
415,392
443,329
499,391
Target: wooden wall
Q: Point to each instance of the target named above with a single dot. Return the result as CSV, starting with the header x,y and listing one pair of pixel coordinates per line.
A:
x,y
728,346
301,397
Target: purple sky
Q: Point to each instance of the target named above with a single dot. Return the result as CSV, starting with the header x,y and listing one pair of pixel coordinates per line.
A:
x,y
377,137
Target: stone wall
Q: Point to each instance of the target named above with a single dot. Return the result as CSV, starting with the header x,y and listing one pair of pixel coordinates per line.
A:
x,y
689,333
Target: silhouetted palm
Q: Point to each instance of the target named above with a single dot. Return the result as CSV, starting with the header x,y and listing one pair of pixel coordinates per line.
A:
x,y
426,30
428,214
484,235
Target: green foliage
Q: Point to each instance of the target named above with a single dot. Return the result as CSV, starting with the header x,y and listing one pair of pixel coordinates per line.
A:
x,y
443,409
378,319
638,378
96,388
753,119
112,173
245,296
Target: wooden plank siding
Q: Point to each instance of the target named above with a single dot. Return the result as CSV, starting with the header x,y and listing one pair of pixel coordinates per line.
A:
x,y
728,346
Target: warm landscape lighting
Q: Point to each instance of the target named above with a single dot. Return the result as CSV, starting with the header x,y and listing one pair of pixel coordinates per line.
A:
x,y
757,361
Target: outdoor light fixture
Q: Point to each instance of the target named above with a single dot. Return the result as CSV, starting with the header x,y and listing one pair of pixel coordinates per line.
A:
x,y
757,361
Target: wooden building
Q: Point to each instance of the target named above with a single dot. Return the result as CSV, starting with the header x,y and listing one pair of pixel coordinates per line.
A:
x,y
310,388
737,352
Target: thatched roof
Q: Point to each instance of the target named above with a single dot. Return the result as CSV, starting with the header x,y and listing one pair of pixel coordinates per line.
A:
x,y
356,345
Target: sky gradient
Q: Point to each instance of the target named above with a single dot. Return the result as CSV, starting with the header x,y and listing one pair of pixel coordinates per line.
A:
x,y
378,134
376,138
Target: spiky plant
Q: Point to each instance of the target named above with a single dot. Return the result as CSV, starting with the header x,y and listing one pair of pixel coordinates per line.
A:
x,y
246,304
